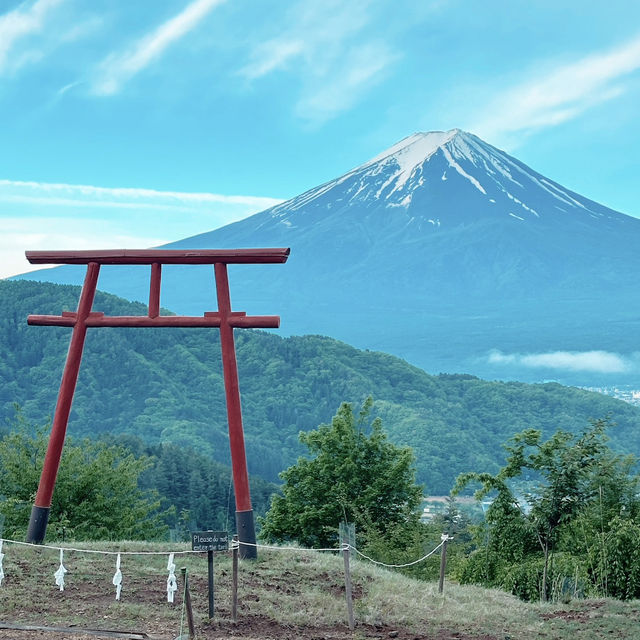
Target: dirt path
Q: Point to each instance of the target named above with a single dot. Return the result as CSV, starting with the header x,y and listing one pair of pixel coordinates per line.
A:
x,y
254,628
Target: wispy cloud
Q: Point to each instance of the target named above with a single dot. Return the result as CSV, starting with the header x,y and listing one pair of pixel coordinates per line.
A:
x,y
324,46
39,215
555,96
27,19
118,68
270,56
363,67
67,87
587,361
61,233
313,33
123,197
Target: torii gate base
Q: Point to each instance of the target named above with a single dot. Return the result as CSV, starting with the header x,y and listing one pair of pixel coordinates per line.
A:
x,y
224,319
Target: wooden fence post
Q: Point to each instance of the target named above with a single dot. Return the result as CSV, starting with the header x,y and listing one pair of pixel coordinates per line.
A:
x,y
347,584
443,561
187,604
234,586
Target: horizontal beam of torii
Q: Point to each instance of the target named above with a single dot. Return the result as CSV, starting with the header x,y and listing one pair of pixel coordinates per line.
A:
x,y
224,319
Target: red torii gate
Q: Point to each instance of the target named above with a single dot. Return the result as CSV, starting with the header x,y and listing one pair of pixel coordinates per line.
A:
x,y
224,319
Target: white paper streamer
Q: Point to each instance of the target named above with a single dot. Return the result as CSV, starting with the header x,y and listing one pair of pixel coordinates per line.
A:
x,y
117,578
1,557
59,574
172,583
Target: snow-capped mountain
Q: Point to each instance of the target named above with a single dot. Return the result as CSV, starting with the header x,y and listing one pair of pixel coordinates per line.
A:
x,y
441,249
418,163
420,173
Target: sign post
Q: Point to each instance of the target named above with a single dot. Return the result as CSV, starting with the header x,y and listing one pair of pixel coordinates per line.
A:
x,y
210,541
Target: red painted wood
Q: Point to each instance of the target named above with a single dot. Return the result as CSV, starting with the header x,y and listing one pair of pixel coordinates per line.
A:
x,y
231,314
224,318
254,322
232,390
67,388
154,290
100,320
161,256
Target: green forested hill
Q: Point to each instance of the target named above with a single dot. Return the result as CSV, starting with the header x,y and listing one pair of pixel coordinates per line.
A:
x,y
165,385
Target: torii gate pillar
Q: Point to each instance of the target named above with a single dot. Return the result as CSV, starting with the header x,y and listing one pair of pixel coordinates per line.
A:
x,y
225,319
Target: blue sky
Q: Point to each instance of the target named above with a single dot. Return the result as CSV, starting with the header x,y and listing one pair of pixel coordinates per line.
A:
x,y
129,124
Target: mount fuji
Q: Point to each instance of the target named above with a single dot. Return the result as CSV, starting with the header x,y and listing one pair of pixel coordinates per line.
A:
x,y
443,250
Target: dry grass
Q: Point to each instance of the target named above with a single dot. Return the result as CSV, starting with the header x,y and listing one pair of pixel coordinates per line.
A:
x,y
299,592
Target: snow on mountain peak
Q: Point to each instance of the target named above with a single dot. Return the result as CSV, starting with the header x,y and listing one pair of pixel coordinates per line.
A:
x,y
425,160
404,158
414,149
398,166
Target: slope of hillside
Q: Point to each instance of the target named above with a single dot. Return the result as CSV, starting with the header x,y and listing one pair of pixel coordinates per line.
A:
x,y
282,595
442,250
165,385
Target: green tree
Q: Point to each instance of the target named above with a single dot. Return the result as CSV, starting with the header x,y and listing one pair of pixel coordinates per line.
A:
x,y
565,465
570,489
352,476
454,423
96,494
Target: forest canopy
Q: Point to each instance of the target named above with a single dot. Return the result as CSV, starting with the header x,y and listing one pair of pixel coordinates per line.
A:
x,y
165,387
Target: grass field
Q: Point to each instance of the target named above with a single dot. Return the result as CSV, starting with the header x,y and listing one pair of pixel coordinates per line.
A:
x,y
284,594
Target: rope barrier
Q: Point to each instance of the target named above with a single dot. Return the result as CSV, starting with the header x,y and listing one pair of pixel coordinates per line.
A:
x,y
233,544
97,551
397,566
348,546
264,546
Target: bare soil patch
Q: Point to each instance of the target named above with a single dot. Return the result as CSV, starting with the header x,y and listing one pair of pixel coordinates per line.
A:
x,y
283,595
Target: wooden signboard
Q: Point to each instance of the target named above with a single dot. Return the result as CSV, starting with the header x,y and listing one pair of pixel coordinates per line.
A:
x,y
210,540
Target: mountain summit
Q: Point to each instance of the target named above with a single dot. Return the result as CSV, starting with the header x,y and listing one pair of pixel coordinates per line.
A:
x,y
441,249
474,170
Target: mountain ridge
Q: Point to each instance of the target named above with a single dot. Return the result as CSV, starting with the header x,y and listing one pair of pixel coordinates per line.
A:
x,y
440,249
166,386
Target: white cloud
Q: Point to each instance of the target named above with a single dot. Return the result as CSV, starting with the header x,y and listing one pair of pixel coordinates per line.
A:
x,y
36,215
316,33
270,56
43,233
323,46
552,97
47,193
23,21
117,69
67,87
588,361
363,67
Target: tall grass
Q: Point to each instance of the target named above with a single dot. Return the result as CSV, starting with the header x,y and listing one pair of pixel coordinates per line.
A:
x,y
286,586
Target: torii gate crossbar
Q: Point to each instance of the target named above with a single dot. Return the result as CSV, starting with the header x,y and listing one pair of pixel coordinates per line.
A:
x,y
224,319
